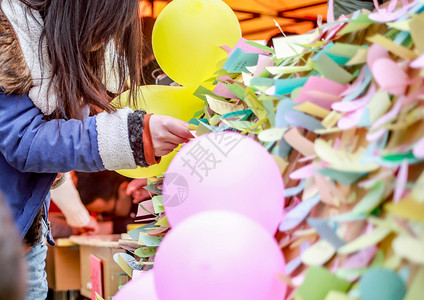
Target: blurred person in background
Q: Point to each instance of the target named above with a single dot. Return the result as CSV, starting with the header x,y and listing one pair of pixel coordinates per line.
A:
x,y
96,203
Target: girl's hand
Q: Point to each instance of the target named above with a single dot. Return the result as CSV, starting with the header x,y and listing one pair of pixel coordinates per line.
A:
x,y
167,133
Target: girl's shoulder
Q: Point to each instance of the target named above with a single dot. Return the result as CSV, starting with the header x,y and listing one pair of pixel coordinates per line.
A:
x,y
15,76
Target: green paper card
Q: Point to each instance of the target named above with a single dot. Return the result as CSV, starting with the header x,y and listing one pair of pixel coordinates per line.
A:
x,y
318,283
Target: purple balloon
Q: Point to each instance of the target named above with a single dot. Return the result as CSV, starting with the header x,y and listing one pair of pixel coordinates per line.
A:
x,y
141,288
224,170
219,255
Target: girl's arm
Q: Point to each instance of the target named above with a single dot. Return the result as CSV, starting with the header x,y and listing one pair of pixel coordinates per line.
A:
x,y
31,144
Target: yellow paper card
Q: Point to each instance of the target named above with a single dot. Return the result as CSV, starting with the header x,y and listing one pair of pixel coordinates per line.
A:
x,y
407,208
416,28
409,248
124,266
312,109
318,254
254,104
222,107
379,105
359,58
402,25
272,134
416,289
343,160
396,49
98,297
417,192
333,295
281,70
162,222
364,241
331,120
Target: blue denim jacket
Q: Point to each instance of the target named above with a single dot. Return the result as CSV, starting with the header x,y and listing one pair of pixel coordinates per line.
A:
x,y
33,151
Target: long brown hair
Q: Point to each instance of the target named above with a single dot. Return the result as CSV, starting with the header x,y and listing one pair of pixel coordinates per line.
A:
x,y
77,33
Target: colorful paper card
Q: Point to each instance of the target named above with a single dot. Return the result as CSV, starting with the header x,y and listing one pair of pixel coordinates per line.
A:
x,y
254,104
239,60
248,47
318,254
312,109
302,120
286,86
222,107
291,45
96,276
145,251
407,208
342,160
320,91
298,213
299,142
326,232
331,70
283,107
318,283
149,241
409,248
222,90
279,71
416,289
365,240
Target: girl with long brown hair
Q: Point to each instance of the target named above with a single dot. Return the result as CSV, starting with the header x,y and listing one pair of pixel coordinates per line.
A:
x,y
58,58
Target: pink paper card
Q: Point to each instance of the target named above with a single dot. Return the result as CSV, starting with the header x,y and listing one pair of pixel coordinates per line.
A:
x,y
263,62
303,172
320,91
146,208
418,63
419,149
350,106
374,53
247,48
401,181
96,276
390,76
222,90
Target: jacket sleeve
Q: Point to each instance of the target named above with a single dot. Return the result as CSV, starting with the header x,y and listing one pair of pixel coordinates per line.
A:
x,y
31,144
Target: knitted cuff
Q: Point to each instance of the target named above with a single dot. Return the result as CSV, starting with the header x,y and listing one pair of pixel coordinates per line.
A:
x,y
135,132
112,136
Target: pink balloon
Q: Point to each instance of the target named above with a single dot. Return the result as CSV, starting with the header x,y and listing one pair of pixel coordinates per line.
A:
x,y
224,170
141,288
219,255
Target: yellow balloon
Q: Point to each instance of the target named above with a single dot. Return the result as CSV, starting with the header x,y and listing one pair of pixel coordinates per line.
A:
x,y
187,37
175,101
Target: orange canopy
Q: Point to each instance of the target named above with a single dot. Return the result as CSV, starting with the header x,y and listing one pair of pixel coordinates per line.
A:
x,y
257,16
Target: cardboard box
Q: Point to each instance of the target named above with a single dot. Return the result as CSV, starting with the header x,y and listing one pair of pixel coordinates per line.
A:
x,y
103,247
62,266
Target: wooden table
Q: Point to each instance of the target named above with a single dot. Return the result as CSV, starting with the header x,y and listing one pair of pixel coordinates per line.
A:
x,y
103,247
